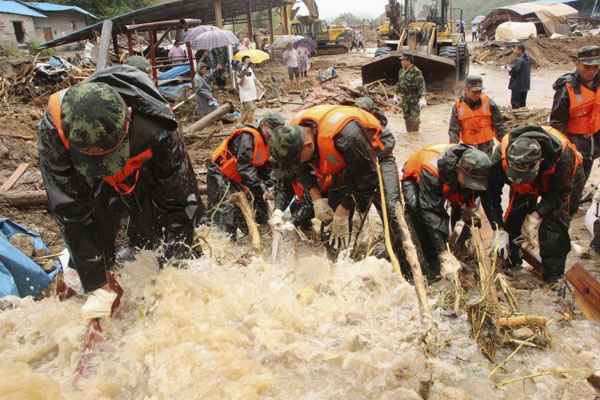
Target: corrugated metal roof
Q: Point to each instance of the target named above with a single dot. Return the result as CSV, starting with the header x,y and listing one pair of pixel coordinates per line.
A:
x,y
13,7
174,9
556,9
51,7
555,1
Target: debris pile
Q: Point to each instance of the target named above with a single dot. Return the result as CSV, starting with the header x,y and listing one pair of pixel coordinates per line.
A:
x,y
524,116
28,80
544,52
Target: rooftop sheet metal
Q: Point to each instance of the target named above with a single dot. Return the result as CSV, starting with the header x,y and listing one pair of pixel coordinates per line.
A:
x,y
51,7
14,7
556,9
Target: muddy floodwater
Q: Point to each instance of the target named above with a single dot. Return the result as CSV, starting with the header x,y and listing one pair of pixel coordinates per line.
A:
x,y
299,329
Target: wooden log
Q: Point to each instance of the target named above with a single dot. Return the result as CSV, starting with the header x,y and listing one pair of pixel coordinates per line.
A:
x,y
34,198
240,200
209,118
587,291
14,178
38,198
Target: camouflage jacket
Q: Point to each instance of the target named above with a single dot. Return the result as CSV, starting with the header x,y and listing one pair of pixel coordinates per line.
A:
x,y
411,84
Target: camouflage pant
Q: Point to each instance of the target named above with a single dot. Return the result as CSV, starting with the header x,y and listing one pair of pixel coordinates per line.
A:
x,y
412,113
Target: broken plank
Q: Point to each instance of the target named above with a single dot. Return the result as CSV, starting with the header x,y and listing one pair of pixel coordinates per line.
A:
x,y
587,291
105,40
14,178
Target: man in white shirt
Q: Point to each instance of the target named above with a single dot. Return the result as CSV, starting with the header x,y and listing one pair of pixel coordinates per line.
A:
x,y
247,89
290,57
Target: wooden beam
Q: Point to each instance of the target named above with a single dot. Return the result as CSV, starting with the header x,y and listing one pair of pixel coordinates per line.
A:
x,y
285,17
249,22
14,178
271,34
587,291
218,9
105,39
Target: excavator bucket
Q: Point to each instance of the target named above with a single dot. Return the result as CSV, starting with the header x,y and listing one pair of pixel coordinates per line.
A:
x,y
437,71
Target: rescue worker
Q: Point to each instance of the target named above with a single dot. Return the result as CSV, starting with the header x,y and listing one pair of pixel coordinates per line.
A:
x,y
330,150
301,208
241,162
576,112
541,166
476,119
109,148
456,174
411,88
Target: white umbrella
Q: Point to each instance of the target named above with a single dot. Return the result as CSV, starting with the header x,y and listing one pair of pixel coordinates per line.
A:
x,y
193,33
214,39
282,41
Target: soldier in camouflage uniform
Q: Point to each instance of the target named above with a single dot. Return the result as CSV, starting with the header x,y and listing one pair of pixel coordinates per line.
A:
x,y
109,149
411,87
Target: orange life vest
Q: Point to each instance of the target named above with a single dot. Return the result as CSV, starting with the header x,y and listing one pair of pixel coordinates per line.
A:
x,y
117,181
427,159
330,120
298,189
584,111
477,126
542,182
227,161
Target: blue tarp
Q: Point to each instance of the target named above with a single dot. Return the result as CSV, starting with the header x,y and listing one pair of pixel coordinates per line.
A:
x,y
19,274
174,92
174,72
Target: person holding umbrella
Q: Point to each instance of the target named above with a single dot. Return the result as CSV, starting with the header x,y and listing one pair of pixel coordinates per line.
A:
x,y
247,90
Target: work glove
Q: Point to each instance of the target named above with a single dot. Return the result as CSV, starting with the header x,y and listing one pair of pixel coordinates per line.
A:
x,y
449,264
276,220
103,302
339,234
531,229
422,102
501,243
471,217
323,212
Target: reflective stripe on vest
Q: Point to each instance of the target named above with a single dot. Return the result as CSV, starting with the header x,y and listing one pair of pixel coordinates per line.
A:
x,y
118,180
330,120
477,126
584,111
427,159
542,182
227,161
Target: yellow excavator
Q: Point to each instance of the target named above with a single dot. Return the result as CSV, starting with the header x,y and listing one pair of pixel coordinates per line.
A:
x,y
330,39
432,35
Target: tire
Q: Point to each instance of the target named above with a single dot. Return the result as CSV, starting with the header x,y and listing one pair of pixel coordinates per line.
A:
x,y
448,51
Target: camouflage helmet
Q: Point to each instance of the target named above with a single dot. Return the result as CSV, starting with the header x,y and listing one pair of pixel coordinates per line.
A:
x,y
140,63
589,55
274,120
523,156
286,144
366,103
95,121
476,166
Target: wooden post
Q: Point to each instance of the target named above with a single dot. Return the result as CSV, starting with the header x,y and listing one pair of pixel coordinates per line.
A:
x,y
218,8
286,20
190,54
249,22
153,56
271,25
130,42
115,40
104,45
